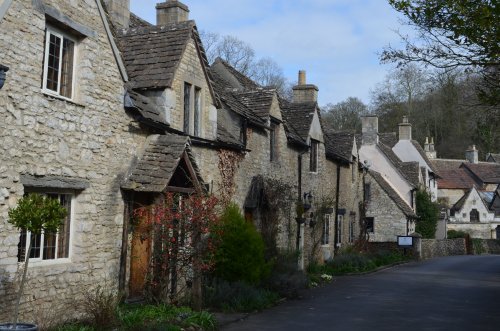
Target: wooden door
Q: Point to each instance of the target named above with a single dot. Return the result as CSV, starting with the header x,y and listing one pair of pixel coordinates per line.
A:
x,y
139,257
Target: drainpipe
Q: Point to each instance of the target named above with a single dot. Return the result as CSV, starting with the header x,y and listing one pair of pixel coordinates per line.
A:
x,y
337,196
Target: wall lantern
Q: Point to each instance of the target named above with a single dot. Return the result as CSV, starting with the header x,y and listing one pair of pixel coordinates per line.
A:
x,y
308,199
3,74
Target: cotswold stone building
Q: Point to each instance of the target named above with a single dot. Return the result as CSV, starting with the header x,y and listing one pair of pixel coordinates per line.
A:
x,y
107,112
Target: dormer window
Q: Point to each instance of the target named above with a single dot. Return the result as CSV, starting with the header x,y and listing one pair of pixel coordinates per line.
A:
x,y
313,157
58,77
192,109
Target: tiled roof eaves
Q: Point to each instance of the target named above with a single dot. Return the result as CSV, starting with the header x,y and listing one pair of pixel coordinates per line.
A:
x,y
402,205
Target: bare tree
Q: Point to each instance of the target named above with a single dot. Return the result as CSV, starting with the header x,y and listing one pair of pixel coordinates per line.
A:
x,y
345,115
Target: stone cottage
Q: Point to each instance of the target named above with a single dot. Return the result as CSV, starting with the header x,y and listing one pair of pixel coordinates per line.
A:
x,y
63,132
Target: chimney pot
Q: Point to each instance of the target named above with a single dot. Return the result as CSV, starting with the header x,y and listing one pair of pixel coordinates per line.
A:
x,y
303,92
302,77
369,129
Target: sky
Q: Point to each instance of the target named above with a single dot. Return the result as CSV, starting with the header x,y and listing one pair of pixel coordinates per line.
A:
x,y
337,42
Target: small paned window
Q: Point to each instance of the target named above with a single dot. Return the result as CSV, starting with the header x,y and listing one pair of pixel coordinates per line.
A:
x,y
369,224
187,106
474,215
273,147
325,237
367,192
313,157
197,111
49,246
59,63
340,219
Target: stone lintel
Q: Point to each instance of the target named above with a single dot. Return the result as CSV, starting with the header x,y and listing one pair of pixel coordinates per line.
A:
x,y
58,17
57,182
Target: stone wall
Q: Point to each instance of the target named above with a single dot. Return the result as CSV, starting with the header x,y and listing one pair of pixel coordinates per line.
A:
x,y
432,248
486,246
88,137
475,230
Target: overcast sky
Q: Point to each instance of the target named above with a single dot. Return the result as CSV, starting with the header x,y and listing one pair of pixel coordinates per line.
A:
x,y
335,41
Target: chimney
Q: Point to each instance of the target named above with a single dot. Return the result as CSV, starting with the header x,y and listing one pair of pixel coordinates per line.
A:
x,y
304,92
369,130
119,12
472,154
405,129
429,148
171,11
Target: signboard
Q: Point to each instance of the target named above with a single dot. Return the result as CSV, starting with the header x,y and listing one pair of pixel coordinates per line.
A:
x,y
405,241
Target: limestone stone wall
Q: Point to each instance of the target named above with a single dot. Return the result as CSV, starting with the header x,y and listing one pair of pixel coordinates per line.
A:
x,y
486,246
475,230
432,248
389,220
86,138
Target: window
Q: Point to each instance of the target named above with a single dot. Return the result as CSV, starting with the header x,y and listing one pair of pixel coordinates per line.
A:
x,y
49,246
352,217
197,111
187,106
313,158
273,147
474,215
192,109
369,224
58,63
325,237
340,218
367,192
354,167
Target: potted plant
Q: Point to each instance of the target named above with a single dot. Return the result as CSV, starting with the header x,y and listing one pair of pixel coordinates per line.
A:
x,y
35,213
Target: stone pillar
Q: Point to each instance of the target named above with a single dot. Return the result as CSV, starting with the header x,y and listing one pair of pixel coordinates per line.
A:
x,y
405,129
303,92
417,245
171,11
119,12
369,130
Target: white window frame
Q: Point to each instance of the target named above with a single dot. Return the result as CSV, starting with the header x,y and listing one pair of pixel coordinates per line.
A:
x,y
53,31
193,126
39,259
325,237
314,154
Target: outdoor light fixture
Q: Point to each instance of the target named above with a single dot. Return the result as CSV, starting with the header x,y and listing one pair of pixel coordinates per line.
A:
x,y
308,198
3,74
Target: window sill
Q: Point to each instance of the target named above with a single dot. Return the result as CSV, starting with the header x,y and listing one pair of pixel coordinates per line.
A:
x,y
41,263
326,246
52,96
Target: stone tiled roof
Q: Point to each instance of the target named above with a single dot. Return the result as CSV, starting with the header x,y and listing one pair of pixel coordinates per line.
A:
x,y
227,96
447,164
155,168
412,171
339,145
299,116
389,139
245,82
224,136
486,172
455,179
152,53
137,22
145,107
396,161
424,156
494,157
259,101
391,193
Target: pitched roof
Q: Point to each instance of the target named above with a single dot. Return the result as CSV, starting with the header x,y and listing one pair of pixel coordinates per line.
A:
x,y
153,53
447,164
299,116
494,157
137,22
223,135
389,139
396,161
144,106
245,82
412,171
157,165
455,179
486,172
424,156
391,193
339,145
259,100
486,198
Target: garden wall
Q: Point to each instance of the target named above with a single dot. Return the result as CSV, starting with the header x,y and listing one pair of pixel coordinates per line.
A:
x,y
486,246
443,247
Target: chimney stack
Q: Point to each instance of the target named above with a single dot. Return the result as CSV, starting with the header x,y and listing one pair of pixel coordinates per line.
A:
x,y
304,92
171,11
405,129
429,148
369,124
472,154
119,12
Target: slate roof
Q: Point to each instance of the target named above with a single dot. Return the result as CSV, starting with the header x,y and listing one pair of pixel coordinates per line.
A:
x,y
412,171
389,139
455,179
245,82
447,164
339,145
391,193
144,106
494,157
299,116
136,21
259,101
223,135
486,172
396,161
155,168
424,156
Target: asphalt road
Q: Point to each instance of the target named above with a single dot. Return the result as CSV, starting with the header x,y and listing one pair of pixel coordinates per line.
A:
x,y
452,293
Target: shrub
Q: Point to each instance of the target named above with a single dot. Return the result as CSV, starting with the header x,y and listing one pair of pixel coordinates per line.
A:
x,y
240,254
100,305
428,213
453,234
285,278
237,296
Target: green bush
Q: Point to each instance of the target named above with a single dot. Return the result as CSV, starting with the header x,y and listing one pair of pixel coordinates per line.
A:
x,y
453,234
237,296
240,254
285,278
428,213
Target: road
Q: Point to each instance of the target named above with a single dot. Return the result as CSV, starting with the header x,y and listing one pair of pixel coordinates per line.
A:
x,y
452,293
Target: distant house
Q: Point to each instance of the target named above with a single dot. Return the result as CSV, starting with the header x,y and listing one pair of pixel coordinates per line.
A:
x,y
492,157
